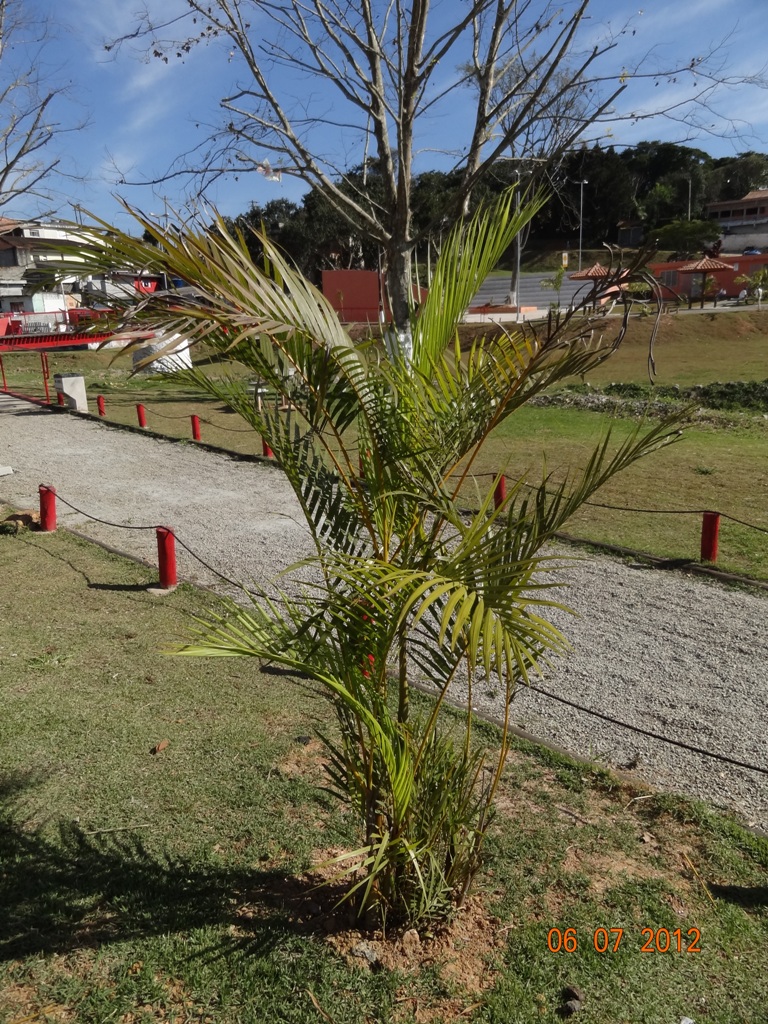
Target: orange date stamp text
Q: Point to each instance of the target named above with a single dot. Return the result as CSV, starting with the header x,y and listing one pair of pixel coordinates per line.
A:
x,y
608,940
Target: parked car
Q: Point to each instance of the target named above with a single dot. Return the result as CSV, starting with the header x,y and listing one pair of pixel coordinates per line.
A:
x,y
751,251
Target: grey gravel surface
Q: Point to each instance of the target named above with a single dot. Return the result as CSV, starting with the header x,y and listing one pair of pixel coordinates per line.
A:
x,y
661,650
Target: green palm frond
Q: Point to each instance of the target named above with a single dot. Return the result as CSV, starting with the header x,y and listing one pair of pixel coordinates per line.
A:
x,y
472,250
533,518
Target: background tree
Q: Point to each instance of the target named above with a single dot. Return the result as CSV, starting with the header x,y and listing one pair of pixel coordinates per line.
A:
x,y
669,180
734,177
650,182
380,76
608,196
283,221
685,237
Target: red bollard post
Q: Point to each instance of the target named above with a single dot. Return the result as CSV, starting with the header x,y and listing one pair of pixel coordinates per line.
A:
x,y
2,370
100,405
266,451
141,412
710,532
47,508
500,492
166,555
195,428
60,398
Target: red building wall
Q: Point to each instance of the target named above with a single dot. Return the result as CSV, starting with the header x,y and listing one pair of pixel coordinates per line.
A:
x,y
354,294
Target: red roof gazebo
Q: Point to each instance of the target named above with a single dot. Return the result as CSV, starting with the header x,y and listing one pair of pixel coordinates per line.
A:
x,y
704,266
593,273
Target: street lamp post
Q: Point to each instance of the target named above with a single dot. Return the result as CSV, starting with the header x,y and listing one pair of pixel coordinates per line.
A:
x,y
581,215
517,252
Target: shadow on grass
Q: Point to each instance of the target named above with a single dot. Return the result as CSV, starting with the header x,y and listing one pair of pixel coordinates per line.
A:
x,y
76,890
131,588
747,896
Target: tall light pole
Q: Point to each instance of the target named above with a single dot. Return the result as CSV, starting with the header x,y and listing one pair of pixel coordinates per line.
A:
x,y
581,215
517,252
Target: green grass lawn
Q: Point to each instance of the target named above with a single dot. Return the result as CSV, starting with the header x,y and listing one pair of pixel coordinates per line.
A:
x,y
178,886
725,469
695,348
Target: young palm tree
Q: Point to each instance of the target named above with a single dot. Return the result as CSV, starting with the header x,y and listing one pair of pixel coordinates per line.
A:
x,y
408,585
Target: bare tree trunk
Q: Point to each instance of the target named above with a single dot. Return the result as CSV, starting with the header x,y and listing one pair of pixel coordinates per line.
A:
x,y
28,122
399,293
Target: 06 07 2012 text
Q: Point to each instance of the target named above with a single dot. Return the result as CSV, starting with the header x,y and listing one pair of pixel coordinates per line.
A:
x,y
608,940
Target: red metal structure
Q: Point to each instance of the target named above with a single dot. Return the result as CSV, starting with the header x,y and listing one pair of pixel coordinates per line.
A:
x,y
38,342
33,332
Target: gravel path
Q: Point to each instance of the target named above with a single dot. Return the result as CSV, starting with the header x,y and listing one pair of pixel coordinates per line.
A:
x,y
664,651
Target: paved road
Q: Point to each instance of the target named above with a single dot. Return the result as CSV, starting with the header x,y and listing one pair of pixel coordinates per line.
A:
x,y
494,291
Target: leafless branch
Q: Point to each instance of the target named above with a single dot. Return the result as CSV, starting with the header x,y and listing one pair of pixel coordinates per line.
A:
x,y
385,70
29,163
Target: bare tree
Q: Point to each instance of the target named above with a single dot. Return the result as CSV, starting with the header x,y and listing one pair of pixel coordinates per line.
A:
x,y
387,77
28,163
537,147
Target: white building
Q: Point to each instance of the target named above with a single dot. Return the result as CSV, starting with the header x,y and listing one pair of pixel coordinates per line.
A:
x,y
743,223
25,249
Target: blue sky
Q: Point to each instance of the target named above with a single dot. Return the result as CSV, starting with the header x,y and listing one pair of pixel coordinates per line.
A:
x,y
142,113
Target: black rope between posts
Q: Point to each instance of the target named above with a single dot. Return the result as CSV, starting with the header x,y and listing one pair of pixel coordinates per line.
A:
x,y
230,430
741,522
163,415
724,515
104,522
203,419
126,526
202,562
591,504
630,508
649,732
536,689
